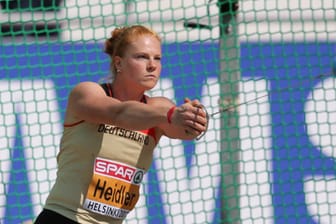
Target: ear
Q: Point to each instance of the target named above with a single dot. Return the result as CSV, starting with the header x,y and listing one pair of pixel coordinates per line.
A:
x,y
117,62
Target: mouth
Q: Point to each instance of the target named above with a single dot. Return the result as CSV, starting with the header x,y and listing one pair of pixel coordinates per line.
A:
x,y
151,76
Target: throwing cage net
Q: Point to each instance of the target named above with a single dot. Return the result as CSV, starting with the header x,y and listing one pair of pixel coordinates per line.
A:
x,y
263,70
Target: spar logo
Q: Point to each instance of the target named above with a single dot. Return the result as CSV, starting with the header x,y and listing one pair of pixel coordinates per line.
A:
x,y
118,170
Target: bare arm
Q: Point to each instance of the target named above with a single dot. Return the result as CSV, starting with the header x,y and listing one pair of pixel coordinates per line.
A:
x,y
88,101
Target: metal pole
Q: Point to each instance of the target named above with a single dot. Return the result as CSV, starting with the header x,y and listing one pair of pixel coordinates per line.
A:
x,y
229,92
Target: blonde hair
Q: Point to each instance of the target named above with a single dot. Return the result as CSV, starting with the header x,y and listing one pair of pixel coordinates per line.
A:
x,y
122,37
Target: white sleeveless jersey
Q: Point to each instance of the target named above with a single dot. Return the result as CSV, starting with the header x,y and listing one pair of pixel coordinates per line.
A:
x,y
100,169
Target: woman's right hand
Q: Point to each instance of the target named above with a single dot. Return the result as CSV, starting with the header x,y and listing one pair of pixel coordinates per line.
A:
x,y
191,116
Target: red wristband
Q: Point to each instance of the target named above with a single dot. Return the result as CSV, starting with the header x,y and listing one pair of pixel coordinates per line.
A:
x,y
170,113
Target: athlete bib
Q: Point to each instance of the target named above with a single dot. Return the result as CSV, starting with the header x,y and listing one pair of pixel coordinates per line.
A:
x,y
114,188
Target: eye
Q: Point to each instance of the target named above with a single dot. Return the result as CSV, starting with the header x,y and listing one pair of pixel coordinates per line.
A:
x,y
158,58
142,56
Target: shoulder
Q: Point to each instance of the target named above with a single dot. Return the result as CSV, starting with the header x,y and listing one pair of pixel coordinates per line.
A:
x,y
87,87
86,92
87,84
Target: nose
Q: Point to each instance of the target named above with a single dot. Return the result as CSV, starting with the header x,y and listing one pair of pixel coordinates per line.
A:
x,y
151,66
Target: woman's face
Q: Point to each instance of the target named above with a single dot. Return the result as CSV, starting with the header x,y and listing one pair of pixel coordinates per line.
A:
x,y
140,66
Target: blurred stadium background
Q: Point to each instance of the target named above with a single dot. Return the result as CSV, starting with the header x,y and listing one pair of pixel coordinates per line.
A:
x,y
271,160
